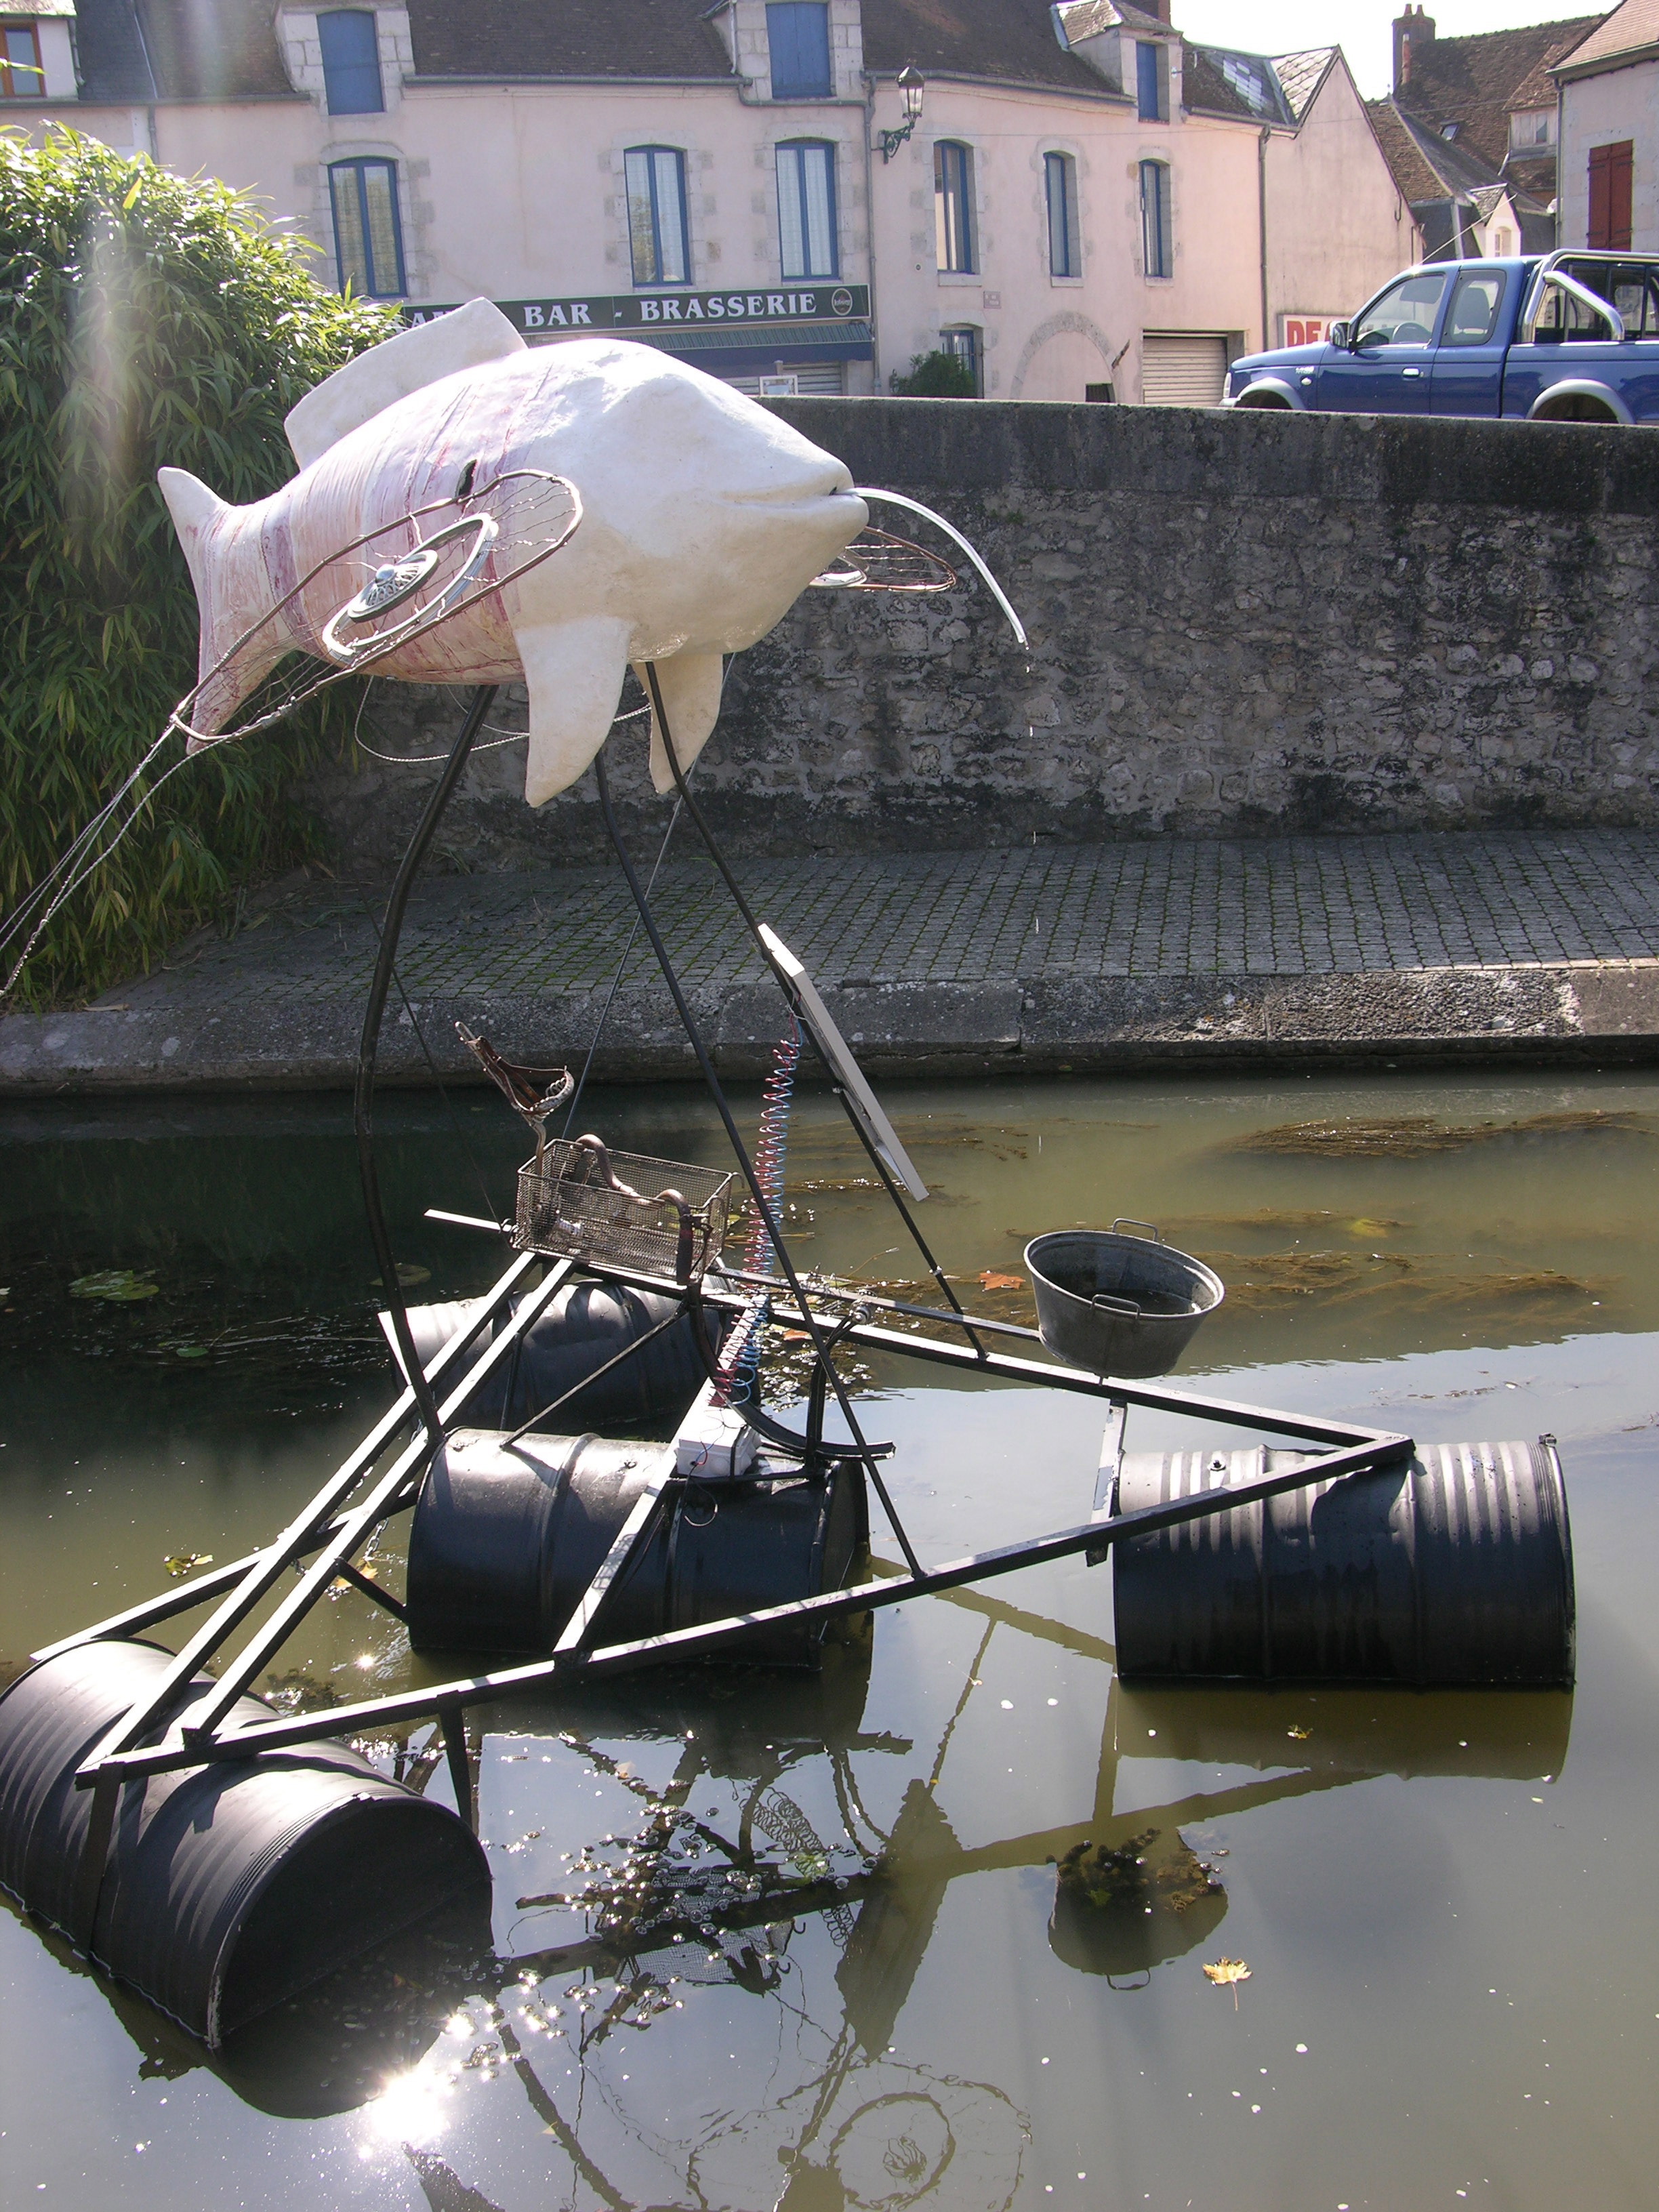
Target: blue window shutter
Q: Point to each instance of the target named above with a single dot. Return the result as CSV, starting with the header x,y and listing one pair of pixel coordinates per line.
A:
x,y
1147,102
351,62
797,39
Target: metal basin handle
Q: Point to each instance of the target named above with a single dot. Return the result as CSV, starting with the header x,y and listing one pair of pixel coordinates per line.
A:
x,y
1129,1221
1104,1298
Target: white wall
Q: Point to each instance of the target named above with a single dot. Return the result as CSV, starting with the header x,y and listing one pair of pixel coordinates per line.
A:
x,y
1337,228
1600,111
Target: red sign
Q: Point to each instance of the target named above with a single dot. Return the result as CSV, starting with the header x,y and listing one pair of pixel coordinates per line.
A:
x,y
1305,330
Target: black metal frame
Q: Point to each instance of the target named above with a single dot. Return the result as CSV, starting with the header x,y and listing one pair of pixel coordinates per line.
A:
x,y
330,1539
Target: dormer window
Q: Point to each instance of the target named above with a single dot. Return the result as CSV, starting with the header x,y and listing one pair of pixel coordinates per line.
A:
x,y
1151,81
351,62
22,76
798,40
1532,126
1449,131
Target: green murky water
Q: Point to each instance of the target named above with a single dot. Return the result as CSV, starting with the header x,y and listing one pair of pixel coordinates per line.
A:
x,y
837,1975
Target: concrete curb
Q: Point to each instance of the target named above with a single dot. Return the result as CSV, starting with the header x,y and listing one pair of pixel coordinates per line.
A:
x,y
1581,1013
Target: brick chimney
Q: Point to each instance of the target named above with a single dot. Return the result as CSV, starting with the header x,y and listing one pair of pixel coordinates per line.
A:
x,y
1411,30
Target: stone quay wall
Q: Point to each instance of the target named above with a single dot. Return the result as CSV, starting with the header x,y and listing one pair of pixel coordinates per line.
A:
x,y
1248,625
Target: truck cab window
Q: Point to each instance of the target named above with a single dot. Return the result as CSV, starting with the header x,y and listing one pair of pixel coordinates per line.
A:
x,y
1474,314
1405,314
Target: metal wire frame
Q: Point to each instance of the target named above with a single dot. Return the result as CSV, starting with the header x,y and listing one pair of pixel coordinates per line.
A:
x,y
1348,1448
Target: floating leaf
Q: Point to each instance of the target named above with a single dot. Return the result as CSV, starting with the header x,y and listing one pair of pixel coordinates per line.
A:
x,y
991,1280
1229,1972
189,1351
115,1286
1300,1733
179,1564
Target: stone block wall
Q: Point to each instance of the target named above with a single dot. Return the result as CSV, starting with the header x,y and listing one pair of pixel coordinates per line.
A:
x,y
1243,625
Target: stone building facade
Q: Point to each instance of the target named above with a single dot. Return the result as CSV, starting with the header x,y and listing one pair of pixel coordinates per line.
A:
x,y
1087,204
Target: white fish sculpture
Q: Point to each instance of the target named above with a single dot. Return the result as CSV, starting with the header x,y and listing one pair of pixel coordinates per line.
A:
x,y
703,519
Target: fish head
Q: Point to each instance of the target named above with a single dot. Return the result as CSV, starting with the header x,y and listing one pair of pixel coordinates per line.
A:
x,y
718,512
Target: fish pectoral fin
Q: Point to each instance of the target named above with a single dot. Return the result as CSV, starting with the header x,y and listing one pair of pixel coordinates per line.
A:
x,y
574,672
691,686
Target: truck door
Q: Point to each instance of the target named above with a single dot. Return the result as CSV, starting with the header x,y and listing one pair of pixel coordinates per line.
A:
x,y
1467,373
1384,368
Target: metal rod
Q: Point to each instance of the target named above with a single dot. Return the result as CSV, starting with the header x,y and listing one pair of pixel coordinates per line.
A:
x,y
734,1137
964,1321
362,1108
576,1388
372,1590
408,1706
451,1721
622,1545
959,1319
270,1564
274,1630
1111,1459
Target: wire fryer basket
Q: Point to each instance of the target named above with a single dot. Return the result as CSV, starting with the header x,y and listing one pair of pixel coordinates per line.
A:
x,y
579,1200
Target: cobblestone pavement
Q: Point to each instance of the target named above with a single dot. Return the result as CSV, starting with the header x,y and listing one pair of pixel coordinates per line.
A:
x,y
1301,906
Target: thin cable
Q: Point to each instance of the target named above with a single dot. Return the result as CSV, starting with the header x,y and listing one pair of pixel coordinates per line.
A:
x,y
897,498
622,965
716,1092
754,927
362,1113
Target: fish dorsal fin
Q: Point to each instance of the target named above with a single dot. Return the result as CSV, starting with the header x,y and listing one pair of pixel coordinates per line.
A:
x,y
466,338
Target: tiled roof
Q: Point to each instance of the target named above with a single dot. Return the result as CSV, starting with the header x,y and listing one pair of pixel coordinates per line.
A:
x,y
1301,75
1087,19
1476,82
566,38
1629,29
1217,80
146,50
1415,180
1014,41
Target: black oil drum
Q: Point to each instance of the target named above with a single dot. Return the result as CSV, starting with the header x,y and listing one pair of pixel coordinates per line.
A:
x,y
228,1888
585,1325
506,1540
1454,1569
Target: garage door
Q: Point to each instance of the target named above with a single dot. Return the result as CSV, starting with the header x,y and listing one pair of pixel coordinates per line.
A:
x,y
1182,369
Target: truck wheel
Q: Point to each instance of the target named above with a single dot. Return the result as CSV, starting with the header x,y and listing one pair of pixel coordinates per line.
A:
x,y
1267,399
1573,407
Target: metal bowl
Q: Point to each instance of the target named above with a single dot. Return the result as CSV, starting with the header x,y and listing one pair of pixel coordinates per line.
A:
x,y
1117,1304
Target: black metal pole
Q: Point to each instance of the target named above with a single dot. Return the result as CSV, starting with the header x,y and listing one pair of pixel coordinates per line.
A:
x,y
860,1449
752,924
362,1107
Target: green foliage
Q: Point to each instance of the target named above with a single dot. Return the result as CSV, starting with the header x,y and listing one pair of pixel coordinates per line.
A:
x,y
145,319
936,375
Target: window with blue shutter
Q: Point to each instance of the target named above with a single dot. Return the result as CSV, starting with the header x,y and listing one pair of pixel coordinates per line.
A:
x,y
1157,231
798,39
351,62
953,205
656,215
369,241
806,208
1152,80
1065,248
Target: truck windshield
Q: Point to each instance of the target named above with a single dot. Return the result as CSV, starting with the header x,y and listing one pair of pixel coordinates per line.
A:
x,y
1403,315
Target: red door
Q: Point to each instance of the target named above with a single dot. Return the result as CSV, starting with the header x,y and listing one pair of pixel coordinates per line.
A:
x,y
1609,196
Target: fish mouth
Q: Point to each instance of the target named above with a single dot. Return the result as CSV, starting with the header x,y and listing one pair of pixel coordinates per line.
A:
x,y
803,496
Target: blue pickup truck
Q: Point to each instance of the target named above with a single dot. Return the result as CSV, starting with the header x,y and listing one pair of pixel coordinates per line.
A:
x,y
1570,337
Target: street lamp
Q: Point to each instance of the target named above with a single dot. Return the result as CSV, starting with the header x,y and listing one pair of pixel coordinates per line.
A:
x,y
910,83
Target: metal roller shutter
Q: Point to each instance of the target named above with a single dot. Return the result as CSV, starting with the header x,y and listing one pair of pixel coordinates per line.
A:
x,y
819,380
1182,369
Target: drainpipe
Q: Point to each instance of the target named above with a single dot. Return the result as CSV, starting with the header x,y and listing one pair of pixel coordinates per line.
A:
x,y
1261,222
870,224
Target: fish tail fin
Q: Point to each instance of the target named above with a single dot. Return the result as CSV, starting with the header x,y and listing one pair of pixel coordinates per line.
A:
x,y
199,517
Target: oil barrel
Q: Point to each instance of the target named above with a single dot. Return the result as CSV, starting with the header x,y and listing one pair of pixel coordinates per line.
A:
x,y
507,1538
585,1325
230,1887
1457,1569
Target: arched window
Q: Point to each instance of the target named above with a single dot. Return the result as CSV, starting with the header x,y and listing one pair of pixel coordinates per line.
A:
x,y
806,208
656,215
953,205
1156,232
351,61
1065,245
368,240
